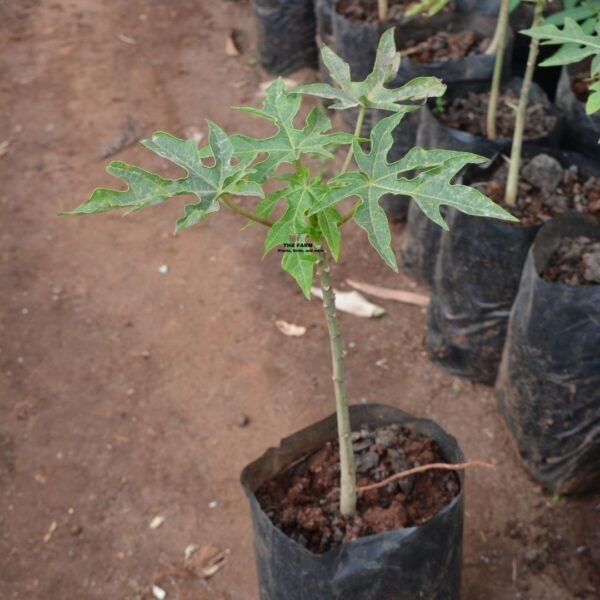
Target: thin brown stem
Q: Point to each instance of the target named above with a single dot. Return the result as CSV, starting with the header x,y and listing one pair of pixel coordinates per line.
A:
x,y
422,469
382,6
244,213
500,43
512,184
347,463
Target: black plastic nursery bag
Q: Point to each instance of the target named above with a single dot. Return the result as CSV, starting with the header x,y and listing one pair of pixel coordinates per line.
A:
x,y
548,387
286,35
407,564
476,280
582,132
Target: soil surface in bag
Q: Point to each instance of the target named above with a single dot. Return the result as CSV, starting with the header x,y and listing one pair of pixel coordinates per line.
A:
x,y
304,500
575,262
458,120
367,10
545,190
470,114
444,46
286,31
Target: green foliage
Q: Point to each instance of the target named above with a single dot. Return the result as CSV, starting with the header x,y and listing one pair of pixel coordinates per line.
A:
x,y
575,45
241,165
431,7
207,183
426,7
430,188
371,92
584,12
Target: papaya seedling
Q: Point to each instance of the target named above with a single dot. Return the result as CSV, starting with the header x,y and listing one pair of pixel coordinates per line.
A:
x,y
577,42
231,166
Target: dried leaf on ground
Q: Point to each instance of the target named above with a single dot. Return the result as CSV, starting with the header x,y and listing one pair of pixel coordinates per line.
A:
x,y
207,561
353,303
290,329
231,48
156,522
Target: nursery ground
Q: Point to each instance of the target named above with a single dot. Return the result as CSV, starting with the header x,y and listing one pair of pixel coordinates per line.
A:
x,y
121,384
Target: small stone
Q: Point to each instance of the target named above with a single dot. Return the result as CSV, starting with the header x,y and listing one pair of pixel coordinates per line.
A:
x,y
557,202
385,438
531,555
397,460
163,269
242,420
592,267
156,522
543,171
145,354
367,461
212,504
158,593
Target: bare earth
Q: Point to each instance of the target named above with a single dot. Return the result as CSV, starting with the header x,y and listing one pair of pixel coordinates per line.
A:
x,y
120,385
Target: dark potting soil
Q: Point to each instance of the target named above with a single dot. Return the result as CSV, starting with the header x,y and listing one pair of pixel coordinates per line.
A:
x,y
367,11
303,501
545,190
470,114
445,46
575,262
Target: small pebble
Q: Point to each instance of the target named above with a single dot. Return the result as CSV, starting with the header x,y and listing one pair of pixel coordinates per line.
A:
x,y
163,269
242,420
212,504
158,593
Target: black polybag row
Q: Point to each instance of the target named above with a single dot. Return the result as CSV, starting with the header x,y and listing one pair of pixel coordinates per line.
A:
x,y
421,242
415,562
286,35
548,387
583,131
476,279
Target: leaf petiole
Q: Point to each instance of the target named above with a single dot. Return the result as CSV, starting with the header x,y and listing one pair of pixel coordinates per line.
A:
x,y
244,213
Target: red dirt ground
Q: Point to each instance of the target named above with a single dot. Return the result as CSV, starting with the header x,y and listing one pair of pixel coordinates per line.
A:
x,y
119,385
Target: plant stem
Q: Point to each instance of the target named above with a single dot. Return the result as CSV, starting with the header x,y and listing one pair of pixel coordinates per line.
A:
x,y
347,464
383,10
357,129
244,213
500,42
512,184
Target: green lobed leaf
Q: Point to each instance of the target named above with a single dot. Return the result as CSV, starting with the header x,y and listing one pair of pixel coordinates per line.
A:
x,y
575,44
428,7
300,265
593,102
207,183
372,93
329,221
302,192
281,108
430,188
